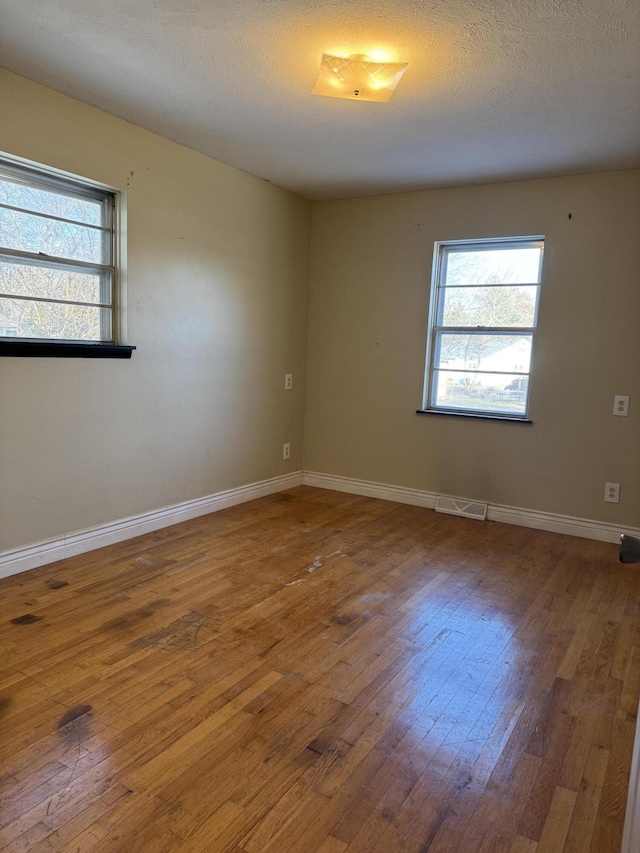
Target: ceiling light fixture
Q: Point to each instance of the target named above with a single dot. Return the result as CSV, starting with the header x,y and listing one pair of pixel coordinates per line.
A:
x,y
357,78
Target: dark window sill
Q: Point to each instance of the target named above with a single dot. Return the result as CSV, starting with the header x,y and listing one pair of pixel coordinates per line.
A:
x,y
47,349
482,417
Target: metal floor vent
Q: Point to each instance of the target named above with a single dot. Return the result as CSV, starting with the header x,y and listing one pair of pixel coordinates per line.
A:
x,y
461,506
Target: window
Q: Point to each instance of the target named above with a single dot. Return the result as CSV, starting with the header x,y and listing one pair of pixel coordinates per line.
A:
x,y
484,308
58,250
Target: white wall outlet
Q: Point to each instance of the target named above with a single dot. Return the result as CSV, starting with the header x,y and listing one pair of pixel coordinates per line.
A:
x,y
612,493
621,405
288,381
286,450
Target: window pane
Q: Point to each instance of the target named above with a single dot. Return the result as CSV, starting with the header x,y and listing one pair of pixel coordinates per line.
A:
x,y
52,203
34,234
25,319
507,353
493,266
489,306
489,392
32,280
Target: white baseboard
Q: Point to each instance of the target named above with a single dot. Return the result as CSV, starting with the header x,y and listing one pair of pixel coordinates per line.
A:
x,y
415,497
22,559
586,528
602,531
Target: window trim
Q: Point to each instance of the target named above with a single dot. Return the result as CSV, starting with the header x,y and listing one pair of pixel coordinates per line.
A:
x,y
433,327
76,185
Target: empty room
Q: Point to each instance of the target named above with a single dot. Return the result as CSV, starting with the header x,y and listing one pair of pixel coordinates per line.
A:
x,y
319,446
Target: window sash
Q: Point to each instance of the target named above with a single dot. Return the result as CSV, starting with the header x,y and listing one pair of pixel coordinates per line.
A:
x,y
103,315
486,330
499,244
53,183
55,218
442,304
506,405
52,261
54,301
106,270
481,370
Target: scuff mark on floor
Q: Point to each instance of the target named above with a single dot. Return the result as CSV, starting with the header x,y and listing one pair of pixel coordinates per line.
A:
x,y
73,714
342,618
182,633
525,555
74,728
26,619
316,565
130,618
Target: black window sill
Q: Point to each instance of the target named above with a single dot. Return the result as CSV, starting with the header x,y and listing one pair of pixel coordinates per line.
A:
x,y
482,417
47,349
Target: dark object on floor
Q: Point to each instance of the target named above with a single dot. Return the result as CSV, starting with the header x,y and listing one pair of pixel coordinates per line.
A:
x,y
629,549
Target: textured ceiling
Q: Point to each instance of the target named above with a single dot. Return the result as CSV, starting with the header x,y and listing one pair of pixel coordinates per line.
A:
x,y
495,89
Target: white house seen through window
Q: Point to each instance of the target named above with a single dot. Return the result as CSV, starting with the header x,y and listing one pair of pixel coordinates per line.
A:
x,y
57,258
484,308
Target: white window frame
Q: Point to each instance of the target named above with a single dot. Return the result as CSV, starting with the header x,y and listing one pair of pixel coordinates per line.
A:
x,y
113,228
438,288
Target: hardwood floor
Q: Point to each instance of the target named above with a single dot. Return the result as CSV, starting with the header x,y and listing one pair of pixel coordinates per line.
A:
x,y
322,673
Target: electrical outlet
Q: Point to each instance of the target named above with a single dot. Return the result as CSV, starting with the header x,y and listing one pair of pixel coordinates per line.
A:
x,y
286,450
621,405
612,493
288,381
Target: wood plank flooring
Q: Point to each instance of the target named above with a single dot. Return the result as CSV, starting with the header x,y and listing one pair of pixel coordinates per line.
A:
x,y
316,672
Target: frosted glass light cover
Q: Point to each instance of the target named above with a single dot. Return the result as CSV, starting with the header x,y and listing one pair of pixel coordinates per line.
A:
x,y
357,78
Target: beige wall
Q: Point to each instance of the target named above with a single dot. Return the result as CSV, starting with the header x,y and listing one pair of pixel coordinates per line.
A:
x,y
371,267
217,306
